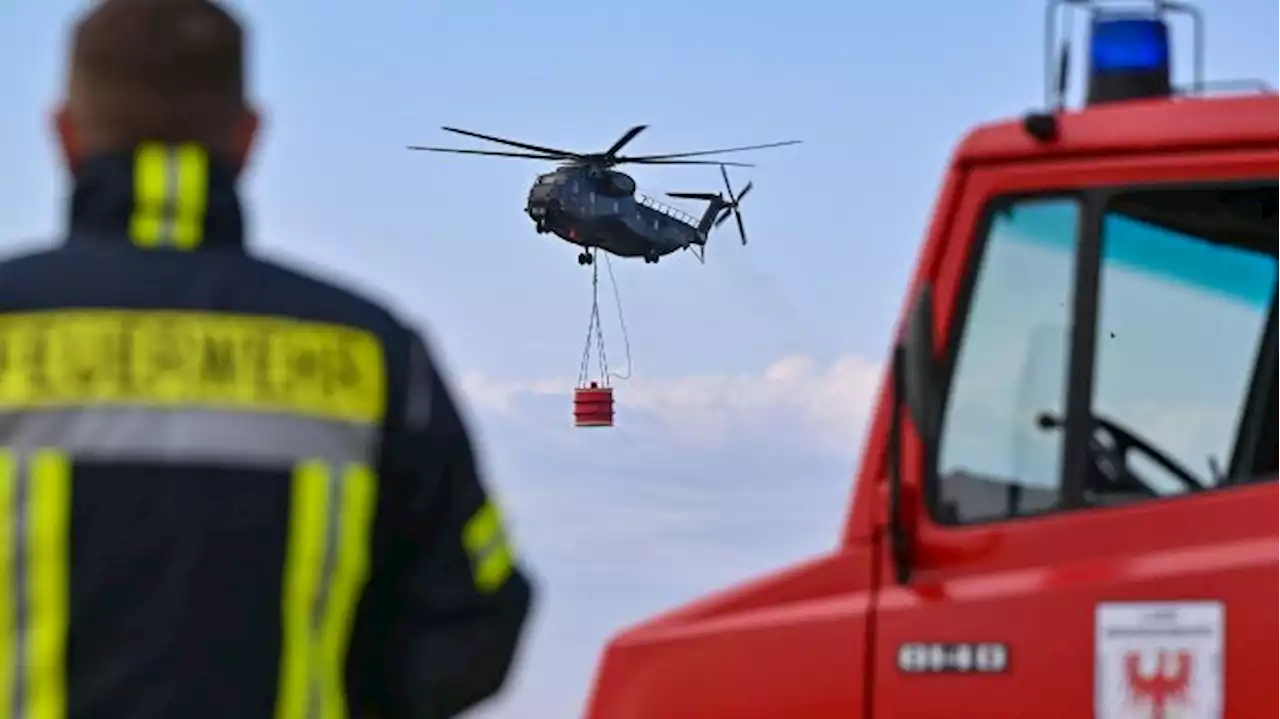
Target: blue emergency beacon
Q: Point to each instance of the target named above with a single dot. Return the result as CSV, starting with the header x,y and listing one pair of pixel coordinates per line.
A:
x,y
1128,53
1128,58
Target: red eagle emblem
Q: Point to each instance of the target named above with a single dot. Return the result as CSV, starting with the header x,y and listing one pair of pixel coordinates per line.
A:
x,y
1166,685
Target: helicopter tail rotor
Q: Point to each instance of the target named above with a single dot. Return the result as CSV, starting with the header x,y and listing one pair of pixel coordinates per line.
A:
x,y
732,205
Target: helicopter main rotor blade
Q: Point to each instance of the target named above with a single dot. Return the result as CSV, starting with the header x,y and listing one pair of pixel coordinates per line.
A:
x,y
620,161
695,195
562,154
489,153
626,138
743,148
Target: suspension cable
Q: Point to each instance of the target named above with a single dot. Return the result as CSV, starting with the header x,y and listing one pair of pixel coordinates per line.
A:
x,y
595,329
622,321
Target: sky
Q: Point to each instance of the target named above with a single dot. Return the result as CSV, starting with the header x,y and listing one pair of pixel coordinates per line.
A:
x,y
740,428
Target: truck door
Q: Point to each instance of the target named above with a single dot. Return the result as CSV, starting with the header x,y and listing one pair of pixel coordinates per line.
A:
x,y
1098,532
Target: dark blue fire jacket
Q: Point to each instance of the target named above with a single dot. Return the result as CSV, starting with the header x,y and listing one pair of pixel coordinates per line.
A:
x,y
227,489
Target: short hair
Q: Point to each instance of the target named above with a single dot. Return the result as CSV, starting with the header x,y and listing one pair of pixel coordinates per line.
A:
x,y
161,70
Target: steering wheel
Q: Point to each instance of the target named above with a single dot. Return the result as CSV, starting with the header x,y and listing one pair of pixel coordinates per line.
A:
x,y
1112,459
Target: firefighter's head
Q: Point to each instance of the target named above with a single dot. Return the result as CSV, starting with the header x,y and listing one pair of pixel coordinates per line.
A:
x,y
160,70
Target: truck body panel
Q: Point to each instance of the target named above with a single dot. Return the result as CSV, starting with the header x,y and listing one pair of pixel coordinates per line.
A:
x,y
793,644
1138,127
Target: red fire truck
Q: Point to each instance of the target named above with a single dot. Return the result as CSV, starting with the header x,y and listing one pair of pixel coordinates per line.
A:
x,y
1067,501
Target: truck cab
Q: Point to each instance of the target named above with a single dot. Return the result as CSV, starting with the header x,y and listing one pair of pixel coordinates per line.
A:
x,y
1066,504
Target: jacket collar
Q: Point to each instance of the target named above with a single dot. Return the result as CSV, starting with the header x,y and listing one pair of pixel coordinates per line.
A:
x,y
157,197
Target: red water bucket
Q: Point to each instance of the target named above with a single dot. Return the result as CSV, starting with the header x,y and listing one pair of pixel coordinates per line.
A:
x,y
593,406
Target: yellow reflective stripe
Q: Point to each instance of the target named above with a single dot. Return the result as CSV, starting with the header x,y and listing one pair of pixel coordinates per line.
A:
x,y
171,193
481,529
493,571
302,570
150,194
8,624
193,197
50,514
191,360
325,571
487,545
35,507
351,570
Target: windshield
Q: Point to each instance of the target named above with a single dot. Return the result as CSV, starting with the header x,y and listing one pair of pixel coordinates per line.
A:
x,y
1188,279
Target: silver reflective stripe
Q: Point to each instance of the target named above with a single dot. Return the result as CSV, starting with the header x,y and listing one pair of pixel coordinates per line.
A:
x,y
169,216
243,438
420,399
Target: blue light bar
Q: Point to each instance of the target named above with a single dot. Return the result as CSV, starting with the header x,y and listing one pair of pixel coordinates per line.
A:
x,y
1128,44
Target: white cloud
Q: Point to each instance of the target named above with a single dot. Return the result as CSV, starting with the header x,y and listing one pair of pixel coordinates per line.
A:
x,y
795,399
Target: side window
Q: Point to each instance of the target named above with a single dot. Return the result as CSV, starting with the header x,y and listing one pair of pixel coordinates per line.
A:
x,y
994,459
1183,362
1188,280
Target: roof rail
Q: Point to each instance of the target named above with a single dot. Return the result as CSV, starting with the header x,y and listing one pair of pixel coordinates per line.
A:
x,y
1227,86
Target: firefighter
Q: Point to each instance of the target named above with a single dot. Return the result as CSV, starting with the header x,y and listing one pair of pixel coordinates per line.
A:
x,y
227,488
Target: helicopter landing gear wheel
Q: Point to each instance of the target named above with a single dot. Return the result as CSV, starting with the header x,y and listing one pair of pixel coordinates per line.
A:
x,y
585,258
651,258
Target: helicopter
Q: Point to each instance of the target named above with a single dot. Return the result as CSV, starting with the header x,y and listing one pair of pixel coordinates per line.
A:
x,y
587,203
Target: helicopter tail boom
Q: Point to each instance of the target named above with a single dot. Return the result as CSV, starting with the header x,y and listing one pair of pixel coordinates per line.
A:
x,y
716,205
719,210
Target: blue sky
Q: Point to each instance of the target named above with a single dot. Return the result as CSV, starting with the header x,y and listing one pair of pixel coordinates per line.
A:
x,y
739,432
